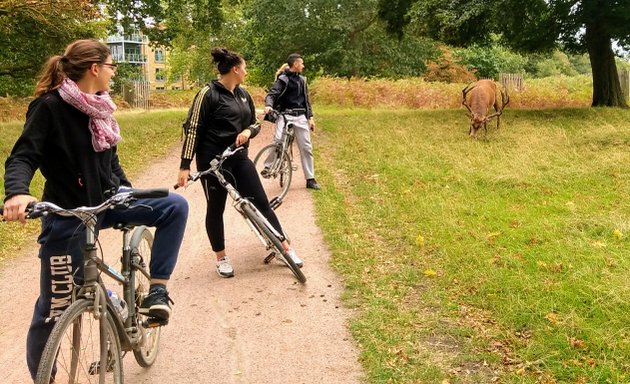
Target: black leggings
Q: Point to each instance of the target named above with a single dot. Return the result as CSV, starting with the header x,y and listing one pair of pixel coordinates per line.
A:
x,y
241,173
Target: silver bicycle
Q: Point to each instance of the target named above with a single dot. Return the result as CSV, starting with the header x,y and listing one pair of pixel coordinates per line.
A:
x,y
266,233
88,340
274,163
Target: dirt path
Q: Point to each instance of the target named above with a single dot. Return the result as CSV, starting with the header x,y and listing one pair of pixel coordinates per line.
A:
x,y
259,327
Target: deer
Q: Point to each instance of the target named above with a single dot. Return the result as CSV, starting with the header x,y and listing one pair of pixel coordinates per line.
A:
x,y
478,99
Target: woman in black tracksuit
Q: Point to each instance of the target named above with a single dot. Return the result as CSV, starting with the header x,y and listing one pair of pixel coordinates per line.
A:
x,y
223,114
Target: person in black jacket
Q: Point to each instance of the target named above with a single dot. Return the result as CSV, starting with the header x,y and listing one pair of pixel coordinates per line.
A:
x,y
223,114
70,135
289,94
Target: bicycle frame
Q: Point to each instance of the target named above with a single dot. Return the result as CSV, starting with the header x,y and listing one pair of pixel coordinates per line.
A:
x,y
285,144
238,200
265,232
93,287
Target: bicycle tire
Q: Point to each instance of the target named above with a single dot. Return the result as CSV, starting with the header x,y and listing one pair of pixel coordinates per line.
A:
x,y
73,348
141,244
276,243
278,183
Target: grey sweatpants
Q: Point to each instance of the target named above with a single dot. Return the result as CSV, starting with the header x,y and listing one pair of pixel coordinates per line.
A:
x,y
303,139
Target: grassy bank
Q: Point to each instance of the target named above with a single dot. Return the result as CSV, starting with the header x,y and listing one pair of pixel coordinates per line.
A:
x,y
146,136
553,92
498,260
468,261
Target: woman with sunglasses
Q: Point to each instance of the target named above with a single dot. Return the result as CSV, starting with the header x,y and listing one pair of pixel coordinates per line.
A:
x,y
70,135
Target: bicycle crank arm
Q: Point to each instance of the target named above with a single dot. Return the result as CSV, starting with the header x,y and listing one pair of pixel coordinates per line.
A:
x,y
270,257
154,322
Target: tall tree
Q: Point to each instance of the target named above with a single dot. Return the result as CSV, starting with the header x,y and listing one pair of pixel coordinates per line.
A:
x,y
33,30
343,38
585,26
164,20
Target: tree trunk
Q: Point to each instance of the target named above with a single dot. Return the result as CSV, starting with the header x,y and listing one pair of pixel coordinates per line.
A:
x,y
606,86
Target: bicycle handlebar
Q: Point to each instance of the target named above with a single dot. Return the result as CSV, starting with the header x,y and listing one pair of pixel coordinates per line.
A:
x,y
121,199
215,165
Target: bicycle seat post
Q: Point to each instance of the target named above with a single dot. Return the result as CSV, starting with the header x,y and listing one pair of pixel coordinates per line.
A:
x,y
90,272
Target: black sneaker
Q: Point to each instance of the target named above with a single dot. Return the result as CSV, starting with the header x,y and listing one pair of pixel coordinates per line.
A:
x,y
156,304
312,184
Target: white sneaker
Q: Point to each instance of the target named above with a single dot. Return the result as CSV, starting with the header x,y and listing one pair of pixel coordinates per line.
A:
x,y
224,268
291,253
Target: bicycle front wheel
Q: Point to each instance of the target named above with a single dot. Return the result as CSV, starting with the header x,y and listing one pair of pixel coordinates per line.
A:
x,y
141,244
267,233
73,351
277,179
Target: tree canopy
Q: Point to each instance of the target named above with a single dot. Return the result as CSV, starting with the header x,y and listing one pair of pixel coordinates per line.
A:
x,y
337,38
33,30
587,26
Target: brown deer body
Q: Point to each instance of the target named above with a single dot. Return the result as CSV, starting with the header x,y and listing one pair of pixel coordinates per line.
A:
x,y
478,99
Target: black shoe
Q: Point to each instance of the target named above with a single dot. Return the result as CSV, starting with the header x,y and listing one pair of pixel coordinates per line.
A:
x,y
312,184
156,304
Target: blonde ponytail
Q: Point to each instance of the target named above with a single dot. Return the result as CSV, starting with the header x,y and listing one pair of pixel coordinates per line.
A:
x,y
281,69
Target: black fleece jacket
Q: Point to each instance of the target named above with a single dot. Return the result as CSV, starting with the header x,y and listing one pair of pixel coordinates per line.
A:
x,y
289,91
57,140
216,118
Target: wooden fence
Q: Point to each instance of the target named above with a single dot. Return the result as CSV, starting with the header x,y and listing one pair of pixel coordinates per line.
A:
x,y
624,79
137,94
512,81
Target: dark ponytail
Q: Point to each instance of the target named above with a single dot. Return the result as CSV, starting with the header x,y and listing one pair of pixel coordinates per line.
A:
x,y
225,59
78,57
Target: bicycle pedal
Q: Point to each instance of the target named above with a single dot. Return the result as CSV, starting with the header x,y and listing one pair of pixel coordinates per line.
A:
x,y
154,322
275,202
270,257
95,367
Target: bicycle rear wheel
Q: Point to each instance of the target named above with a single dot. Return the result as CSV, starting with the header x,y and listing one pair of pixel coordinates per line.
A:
x,y
280,171
267,233
141,244
73,351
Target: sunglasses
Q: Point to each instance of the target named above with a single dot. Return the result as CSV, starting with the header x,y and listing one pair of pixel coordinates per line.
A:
x,y
111,65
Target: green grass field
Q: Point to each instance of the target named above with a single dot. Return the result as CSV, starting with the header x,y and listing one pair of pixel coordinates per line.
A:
x,y
478,261
501,259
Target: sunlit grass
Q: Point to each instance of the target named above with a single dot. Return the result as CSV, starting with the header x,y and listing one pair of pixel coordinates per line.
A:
x,y
501,259
478,260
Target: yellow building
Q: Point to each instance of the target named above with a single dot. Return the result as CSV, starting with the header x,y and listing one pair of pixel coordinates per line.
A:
x,y
134,48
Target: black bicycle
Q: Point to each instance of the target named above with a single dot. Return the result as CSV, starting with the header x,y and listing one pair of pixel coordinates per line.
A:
x,y
87,342
274,162
266,233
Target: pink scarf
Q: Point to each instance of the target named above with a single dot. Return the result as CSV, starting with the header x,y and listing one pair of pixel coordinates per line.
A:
x,y
104,128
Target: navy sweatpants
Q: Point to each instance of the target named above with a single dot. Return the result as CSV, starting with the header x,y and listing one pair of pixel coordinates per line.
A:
x,y
62,241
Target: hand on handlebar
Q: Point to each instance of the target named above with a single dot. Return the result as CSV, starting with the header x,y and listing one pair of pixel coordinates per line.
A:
x,y
183,177
15,208
243,137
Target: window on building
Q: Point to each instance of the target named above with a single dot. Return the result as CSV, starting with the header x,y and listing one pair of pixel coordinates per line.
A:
x,y
159,55
133,54
159,74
